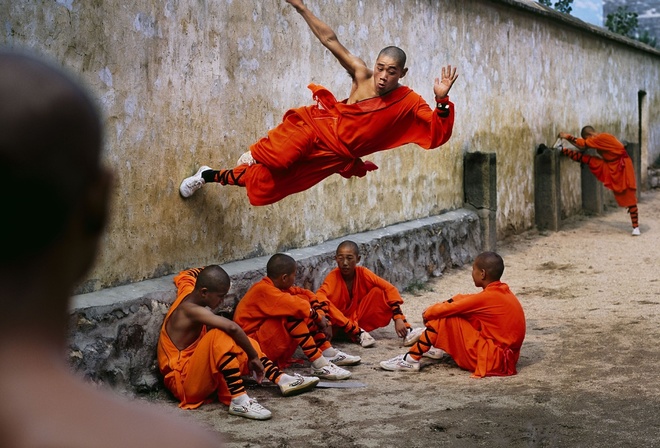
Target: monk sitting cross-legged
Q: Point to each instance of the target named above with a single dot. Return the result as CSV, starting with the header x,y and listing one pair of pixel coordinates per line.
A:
x,y
359,301
201,353
316,141
613,168
482,332
281,318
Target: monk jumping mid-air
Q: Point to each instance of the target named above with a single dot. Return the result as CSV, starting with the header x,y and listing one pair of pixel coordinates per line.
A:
x,y
613,168
314,142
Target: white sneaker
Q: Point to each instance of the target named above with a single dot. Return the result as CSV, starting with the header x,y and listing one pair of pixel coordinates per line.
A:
x,y
193,183
250,409
246,159
413,336
298,385
400,363
636,232
434,353
366,340
344,359
331,372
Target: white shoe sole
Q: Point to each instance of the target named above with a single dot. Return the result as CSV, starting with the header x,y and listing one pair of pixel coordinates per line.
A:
x,y
298,387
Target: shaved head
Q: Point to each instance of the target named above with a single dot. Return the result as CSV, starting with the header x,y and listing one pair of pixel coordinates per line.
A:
x,y
492,263
349,245
280,264
395,53
587,131
50,142
213,278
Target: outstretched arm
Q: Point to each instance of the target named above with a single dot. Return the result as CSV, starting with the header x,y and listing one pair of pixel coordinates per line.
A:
x,y
211,320
577,142
328,38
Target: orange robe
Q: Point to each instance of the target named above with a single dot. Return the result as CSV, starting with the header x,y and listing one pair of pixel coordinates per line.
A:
x,y
615,170
482,332
192,374
316,141
371,306
262,313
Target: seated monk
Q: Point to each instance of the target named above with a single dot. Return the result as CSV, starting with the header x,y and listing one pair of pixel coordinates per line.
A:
x,y
280,317
201,353
482,332
358,301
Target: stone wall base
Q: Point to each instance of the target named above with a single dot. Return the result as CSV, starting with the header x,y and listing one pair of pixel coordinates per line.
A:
x,y
114,332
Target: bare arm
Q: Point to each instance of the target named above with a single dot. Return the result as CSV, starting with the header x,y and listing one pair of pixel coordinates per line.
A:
x,y
328,38
205,316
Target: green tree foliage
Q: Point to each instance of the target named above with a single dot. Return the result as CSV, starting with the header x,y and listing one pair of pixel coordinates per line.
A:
x,y
647,39
625,22
560,5
622,22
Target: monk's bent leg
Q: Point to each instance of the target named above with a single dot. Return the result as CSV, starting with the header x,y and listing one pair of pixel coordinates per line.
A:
x,y
233,176
458,338
424,343
275,341
373,311
300,332
216,366
290,141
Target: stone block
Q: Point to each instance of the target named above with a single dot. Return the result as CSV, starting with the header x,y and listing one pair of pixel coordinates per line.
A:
x,y
547,189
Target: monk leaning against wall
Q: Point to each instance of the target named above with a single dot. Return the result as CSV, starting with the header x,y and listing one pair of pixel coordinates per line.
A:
x,y
314,142
201,354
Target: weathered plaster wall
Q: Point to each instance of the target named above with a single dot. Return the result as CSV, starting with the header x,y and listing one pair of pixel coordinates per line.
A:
x,y
185,83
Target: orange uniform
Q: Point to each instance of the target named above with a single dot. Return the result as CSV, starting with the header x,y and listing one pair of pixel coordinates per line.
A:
x,y
314,142
267,313
615,169
194,373
482,332
372,303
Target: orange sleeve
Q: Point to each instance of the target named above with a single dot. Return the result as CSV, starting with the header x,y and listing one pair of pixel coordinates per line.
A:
x,y
265,301
369,280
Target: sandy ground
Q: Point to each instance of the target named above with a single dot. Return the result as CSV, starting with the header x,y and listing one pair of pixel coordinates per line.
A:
x,y
588,373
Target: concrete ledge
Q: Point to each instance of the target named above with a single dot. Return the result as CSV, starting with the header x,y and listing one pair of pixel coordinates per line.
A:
x,y
115,331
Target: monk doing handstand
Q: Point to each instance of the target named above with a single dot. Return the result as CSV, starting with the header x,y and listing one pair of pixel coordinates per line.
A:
x,y
316,141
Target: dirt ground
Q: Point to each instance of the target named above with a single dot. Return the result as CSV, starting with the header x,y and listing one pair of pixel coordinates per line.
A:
x,y
588,375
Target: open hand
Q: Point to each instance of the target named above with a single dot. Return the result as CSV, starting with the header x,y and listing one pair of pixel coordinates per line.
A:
x,y
442,85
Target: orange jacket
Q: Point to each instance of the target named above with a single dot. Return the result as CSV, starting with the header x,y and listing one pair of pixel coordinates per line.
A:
x,y
499,319
314,142
616,170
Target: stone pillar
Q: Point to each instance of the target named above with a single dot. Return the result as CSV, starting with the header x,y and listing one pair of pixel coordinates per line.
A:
x,y
593,201
547,189
480,187
635,153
